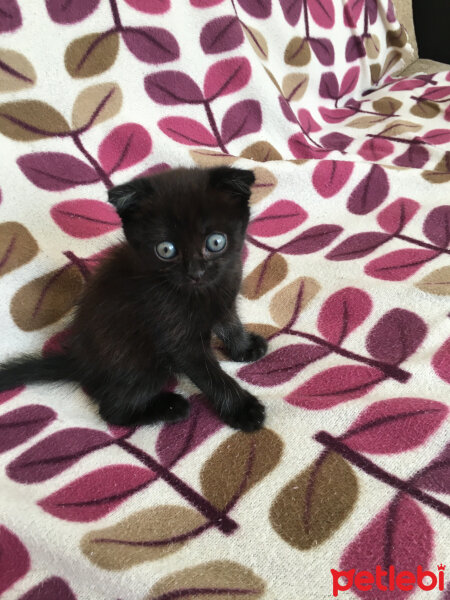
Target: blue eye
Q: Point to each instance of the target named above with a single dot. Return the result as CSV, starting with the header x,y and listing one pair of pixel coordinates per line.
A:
x,y
166,250
216,242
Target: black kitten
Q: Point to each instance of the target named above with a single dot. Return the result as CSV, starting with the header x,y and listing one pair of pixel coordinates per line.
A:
x,y
150,309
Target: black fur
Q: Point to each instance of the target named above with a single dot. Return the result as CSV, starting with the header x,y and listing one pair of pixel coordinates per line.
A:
x,y
142,319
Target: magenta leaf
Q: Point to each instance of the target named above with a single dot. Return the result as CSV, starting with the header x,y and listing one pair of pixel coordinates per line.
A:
x,y
322,11
241,119
124,146
441,361
159,168
354,50
375,149
279,218
370,192
205,3
372,10
96,494
53,587
282,364
66,13
349,81
55,453
301,148
172,87
57,343
358,245
336,141
323,49
415,156
178,439
342,313
437,92
85,218
396,336
394,217
352,12
260,9
10,17
399,264
153,7
226,76
187,131
436,136
335,115
9,394
221,35
56,171
334,386
19,425
437,226
436,475
287,110
312,240
292,9
153,45
14,558
308,124
329,86
330,176
406,84
395,425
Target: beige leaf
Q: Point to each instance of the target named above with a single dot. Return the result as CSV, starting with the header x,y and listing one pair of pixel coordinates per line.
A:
x,y
96,103
264,184
372,46
261,152
387,105
17,246
441,172
375,73
396,37
366,121
209,158
297,53
265,277
227,580
294,86
398,127
263,329
27,120
391,59
437,282
425,109
273,79
293,298
16,71
257,41
148,534
91,54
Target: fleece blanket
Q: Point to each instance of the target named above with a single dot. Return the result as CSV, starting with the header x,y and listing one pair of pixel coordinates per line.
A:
x,y
347,274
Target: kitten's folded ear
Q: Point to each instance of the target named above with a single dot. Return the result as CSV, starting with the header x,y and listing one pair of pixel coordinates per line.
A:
x,y
236,181
126,197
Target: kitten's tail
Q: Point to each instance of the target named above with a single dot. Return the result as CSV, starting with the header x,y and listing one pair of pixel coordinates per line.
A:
x,y
35,369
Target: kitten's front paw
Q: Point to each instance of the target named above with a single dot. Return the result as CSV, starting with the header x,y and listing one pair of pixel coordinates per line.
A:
x,y
169,407
255,349
249,416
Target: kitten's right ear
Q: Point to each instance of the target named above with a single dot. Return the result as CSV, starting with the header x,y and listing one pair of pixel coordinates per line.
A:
x,y
126,197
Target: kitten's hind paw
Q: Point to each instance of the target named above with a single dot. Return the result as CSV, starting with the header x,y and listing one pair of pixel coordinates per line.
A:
x,y
169,407
249,416
255,349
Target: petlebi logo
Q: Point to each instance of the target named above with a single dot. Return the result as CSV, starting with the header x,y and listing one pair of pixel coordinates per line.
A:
x,y
389,579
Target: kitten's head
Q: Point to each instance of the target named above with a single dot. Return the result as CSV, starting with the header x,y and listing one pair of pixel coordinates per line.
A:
x,y
187,224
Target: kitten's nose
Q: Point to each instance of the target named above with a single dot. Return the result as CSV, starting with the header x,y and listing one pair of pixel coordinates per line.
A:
x,y
196,273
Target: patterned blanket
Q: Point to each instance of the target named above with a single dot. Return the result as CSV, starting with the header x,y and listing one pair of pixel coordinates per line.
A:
x,y
347,274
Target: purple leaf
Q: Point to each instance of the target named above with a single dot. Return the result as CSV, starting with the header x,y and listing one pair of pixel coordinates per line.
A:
x,y
53,587
436,476
329,86
10,17
322,11
312,240
241,119
287,110
336,141
172,87
56,171
152,45
354,49
292,9
221,35
260,9
323,49
437,226
282,365
390,13
372,10
14,559
18,425
349,82
301,148
56,453
66,12
415,156
358,245
187,131
396,336
152,7
370,192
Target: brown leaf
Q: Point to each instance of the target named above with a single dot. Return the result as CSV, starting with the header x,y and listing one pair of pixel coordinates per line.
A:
x,y
425,109
441,172
91,54
437,282
396,37
257,41
209,158
17,246
372,46
28,120
263,329
387,105
366,121
294,297
297,53
294,86
261,152
226,579
273,79
264,184
391,59
16,71
46,299
265,277
239,463
96,103
313,505
375,73
148,534
398,127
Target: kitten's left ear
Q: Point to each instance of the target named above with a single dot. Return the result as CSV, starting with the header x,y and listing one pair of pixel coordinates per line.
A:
x,y
236,181
125,197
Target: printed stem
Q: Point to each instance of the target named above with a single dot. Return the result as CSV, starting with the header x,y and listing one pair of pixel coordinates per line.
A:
x,y
442,100
366,20
395,139
310,138
305,13
116,15
366,465
259,244
218,518
78,262
416,242
213,125
98,169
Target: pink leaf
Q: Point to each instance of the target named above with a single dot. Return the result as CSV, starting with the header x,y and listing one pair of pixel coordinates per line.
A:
x,y
436,475
124,147
352,12
399,265
96,494
55,453
370,192
330,176
301,148
441,361
312,239
153,7
120,432
342,313
292,9
241,119
281,217
334,386
308,124
226,76
437,226
9,394
436,92
19,425
159,168
56,344
187,131
282,364
335,115
260,9
85,218
67,13
55,171
375,149
396,336
322,11
152,45
172,87
221,35
358,245
395,425
52,588
349,81
14,559
436,136
394,217
204,3
407,84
